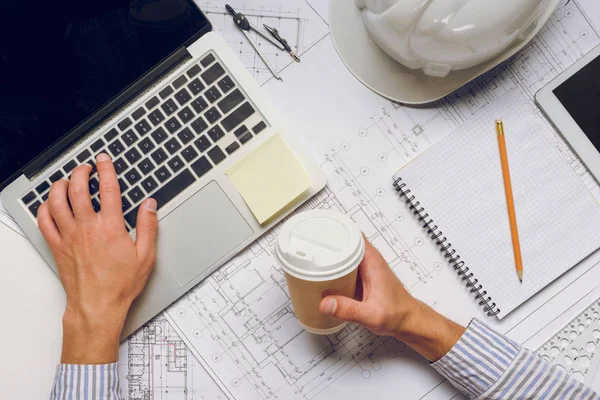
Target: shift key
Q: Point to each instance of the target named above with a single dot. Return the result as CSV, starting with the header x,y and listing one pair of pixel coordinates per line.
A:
x,y
237,117
165,194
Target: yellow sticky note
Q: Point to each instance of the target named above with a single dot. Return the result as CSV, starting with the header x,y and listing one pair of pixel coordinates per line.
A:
x,y
269,178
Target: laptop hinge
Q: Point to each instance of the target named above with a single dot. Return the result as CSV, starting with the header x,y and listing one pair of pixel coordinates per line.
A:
x,y
118,102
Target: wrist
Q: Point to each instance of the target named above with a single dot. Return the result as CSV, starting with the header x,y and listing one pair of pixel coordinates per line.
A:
x,y
91,337
428,332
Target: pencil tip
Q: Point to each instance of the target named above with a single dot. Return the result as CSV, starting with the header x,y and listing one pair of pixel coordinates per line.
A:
x,y
520,275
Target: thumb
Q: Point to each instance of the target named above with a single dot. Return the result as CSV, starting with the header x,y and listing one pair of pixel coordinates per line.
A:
x,y
146,231
344,308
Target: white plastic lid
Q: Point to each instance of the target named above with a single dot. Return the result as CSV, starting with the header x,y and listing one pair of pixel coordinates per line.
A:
x,y
319,245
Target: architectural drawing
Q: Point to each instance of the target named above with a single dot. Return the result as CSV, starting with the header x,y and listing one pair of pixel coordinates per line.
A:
x,y
156,364
294,19
239,322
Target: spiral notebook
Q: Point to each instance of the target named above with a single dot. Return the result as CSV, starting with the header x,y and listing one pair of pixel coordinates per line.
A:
x,y
456,190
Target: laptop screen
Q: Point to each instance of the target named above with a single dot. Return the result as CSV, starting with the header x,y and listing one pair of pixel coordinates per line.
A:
x,y
61,60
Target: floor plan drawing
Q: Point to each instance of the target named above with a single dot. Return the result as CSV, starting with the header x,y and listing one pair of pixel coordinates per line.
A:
x,y
239,322
295,20
156,364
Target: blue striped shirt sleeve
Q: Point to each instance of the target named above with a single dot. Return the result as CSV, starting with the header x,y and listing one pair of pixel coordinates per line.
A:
x,y
484,364
86,382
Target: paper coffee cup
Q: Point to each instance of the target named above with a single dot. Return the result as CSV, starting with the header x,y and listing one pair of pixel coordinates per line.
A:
x,y
319,251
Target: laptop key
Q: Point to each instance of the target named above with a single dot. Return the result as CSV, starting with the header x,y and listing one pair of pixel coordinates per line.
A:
x,y
153,102
165,194
96,205
182,97
34,208
159,156
45,197
196,86
232,147
186,115
116,148
124,124
189,153
175,163
206,61
173,146
93,164
122,185
202,166
159,135
94,186
230,101
133,176
97,145
193,71
156,117
216,155
240,131
146,145
125,204
84,155
238,116
199,104
212,74
129,137
202,143
120,165
245,138
226,84
212,94
199,125
259,127
110,135
162,174
177,83
166,92
139,113
212,115
149,184
135,194
142,127
41,188
133,155
28,198
56,176
146,166
216,133
185,135
173,125
70,166
169,107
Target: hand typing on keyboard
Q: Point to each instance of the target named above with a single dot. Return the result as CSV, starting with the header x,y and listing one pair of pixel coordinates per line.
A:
x,y
101,268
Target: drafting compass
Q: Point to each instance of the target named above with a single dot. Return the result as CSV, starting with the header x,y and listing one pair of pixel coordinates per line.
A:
x,y
246,26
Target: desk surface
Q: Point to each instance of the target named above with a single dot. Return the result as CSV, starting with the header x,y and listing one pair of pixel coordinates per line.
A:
x,y
32,301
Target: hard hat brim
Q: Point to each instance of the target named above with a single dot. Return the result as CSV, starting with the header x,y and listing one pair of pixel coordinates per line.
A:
x,y
390,79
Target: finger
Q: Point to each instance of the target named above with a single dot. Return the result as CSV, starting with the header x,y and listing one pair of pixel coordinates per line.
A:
x,y
146,231
79,193
110,193
47,226
58,204
345,308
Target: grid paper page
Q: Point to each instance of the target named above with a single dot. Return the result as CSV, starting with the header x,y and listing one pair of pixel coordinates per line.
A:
x,y
459,183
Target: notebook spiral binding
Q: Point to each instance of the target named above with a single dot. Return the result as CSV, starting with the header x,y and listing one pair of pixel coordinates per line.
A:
x,y
446,249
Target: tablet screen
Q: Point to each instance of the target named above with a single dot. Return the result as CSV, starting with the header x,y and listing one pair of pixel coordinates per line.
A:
x,y
580,95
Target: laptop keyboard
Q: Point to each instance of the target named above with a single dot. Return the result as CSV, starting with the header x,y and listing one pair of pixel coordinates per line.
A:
x,y
164,146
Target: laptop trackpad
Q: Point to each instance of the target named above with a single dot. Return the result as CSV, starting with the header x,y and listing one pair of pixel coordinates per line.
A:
x,y
199,232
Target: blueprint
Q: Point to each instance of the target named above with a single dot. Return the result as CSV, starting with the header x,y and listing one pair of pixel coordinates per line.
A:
x,y
239,322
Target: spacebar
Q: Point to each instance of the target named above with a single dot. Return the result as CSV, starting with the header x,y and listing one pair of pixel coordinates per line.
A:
x,y
165,193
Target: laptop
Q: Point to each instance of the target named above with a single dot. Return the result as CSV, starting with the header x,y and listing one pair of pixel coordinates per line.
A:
x,y
147,82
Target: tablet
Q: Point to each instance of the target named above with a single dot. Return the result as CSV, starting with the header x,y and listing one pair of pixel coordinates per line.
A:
x,y
572,103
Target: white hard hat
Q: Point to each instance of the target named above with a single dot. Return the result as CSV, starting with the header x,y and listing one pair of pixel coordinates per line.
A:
x,y
417,51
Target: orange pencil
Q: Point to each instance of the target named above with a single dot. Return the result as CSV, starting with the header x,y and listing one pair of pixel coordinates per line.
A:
x,y
510,202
